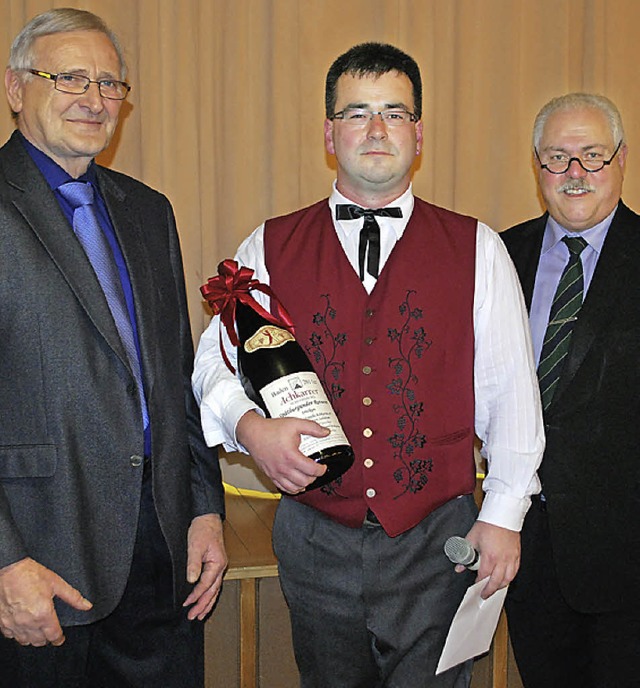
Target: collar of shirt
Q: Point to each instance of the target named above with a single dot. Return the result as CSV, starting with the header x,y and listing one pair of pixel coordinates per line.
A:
x,y
52,172
391,229
55,176
396,224
594,236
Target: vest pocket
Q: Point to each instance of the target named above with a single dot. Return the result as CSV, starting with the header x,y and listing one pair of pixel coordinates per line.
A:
x,y
450,437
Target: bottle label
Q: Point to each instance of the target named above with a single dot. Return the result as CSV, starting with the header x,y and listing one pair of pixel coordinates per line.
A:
x,y
301,395
268,337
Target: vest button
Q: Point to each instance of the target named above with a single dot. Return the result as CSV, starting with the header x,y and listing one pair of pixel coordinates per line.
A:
x,y
370,492
136,460
368,463
366,370
369,313
367,432
367,401
369,341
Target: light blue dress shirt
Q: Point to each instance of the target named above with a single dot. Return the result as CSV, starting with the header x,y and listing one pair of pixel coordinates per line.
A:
x,y
553,259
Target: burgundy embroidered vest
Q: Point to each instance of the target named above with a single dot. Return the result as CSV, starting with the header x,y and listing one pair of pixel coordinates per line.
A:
x,y
397,364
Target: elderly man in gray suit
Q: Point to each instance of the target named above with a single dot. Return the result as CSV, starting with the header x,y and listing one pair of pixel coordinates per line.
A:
x,y
111,548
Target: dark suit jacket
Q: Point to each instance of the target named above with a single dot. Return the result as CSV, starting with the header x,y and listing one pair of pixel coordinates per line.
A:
x,y
591,466
70,428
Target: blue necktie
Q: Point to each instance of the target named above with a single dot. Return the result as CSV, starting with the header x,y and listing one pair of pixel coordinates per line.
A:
x,y
94,242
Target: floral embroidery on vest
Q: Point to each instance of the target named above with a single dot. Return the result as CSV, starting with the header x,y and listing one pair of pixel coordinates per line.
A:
x,y
324,344
323,347
412,343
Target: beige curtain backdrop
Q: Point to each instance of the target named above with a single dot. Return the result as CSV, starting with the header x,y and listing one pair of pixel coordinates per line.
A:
x,y
226,111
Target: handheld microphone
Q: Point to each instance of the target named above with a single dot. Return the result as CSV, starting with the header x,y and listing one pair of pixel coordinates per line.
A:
x,y
460,551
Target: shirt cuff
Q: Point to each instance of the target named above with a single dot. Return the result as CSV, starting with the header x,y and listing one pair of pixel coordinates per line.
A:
x,y
504,511
223,431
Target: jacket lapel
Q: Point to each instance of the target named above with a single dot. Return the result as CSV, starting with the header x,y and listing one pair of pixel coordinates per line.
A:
x,y
35,202
128,223
525,253
618,261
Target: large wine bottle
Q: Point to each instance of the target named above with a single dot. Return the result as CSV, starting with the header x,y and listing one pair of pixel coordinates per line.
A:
x,y
278,376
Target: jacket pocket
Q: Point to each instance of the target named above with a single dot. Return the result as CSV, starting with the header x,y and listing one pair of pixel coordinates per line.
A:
x,y
28,460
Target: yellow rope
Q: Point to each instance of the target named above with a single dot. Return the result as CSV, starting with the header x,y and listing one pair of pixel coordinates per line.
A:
x,y
245,492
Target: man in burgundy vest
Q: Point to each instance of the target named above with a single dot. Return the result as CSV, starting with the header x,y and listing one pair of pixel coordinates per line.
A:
x,y
414,321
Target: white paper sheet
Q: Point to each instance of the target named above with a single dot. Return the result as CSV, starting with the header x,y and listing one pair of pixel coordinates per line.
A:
x,y
473,626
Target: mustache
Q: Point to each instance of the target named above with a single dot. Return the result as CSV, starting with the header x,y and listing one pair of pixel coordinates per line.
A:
x,y
575,185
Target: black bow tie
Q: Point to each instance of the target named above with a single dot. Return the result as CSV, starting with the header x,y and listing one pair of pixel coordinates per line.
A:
x,y
369,234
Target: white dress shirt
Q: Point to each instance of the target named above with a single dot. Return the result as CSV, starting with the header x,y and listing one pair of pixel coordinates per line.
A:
x,y
508,418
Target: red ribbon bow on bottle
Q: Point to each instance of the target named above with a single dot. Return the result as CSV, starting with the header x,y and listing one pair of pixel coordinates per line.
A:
x,y
233,284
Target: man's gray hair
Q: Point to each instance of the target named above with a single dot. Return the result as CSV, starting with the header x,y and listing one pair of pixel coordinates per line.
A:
x,y
576,101
60,20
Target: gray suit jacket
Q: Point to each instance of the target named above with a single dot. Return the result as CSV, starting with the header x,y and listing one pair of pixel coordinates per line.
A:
x,y
591,466
70,426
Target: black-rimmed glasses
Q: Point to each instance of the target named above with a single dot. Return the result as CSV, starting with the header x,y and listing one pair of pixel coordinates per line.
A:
x,y
560,162
75,84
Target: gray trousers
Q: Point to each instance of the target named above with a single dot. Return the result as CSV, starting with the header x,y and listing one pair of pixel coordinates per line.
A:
x,y
368,610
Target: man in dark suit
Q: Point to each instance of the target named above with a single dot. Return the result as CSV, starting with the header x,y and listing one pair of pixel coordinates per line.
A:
x,y
110,503
574,607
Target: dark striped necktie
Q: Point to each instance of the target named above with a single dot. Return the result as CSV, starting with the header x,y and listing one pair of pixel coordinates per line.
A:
x,y
564,312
